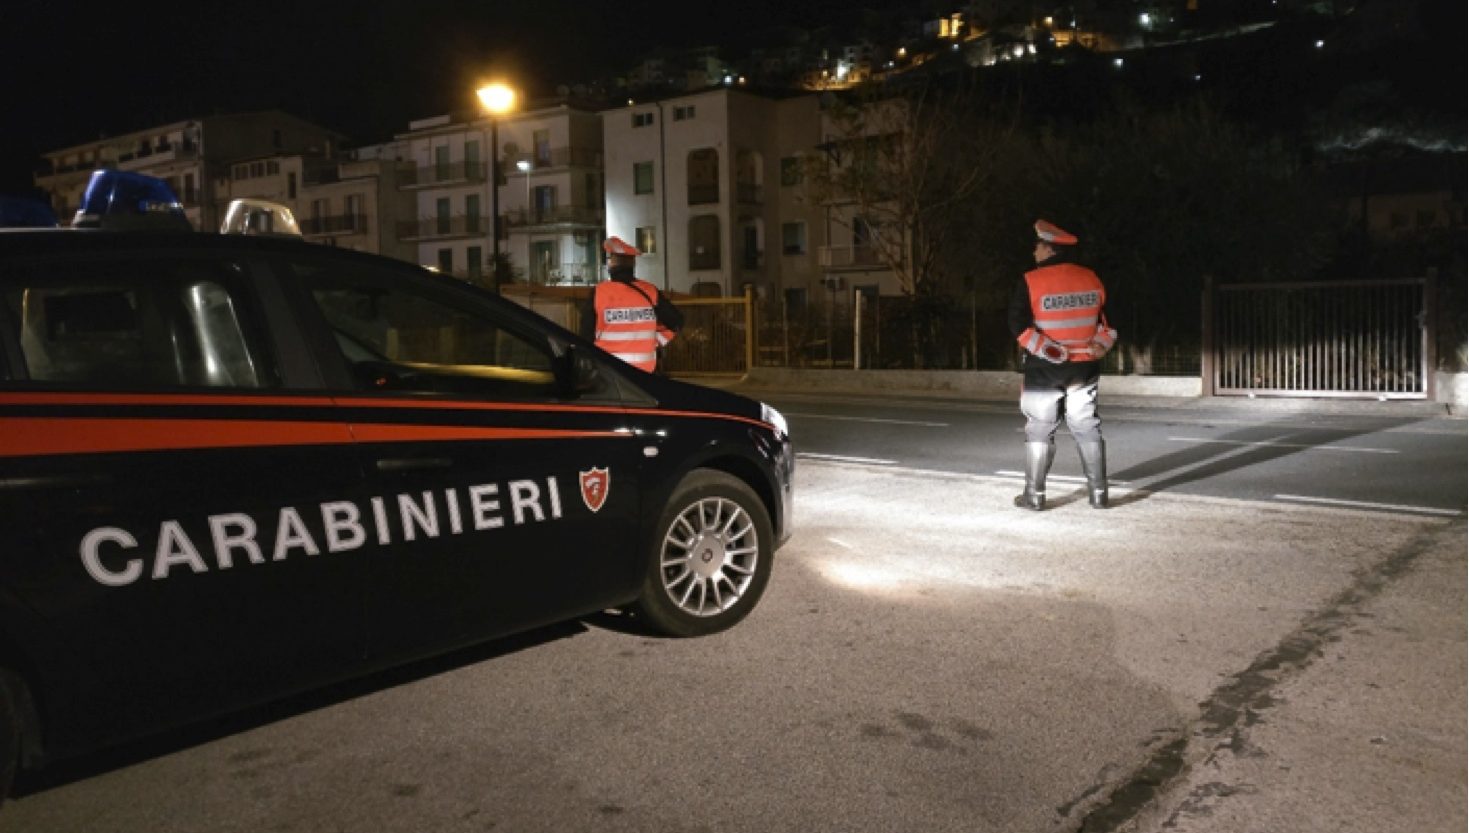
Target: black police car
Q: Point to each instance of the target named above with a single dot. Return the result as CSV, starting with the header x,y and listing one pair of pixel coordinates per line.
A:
x,y
238,466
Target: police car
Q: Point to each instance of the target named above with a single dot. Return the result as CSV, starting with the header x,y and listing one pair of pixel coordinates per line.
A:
x,y
235,466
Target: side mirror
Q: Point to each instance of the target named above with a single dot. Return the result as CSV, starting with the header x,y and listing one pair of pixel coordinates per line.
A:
x,y
577,374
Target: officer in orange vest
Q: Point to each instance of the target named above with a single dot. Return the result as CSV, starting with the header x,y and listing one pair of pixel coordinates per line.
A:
x,y
632,320
1056,313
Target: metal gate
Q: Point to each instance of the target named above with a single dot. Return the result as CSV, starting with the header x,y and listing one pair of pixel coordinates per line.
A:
x,y
1358,339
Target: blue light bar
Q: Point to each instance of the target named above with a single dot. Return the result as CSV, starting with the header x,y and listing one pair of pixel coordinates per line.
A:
x,y
128,200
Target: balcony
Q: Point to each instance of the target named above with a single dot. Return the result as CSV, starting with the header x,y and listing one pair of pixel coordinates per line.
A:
x,y
849,257
566,274
560,216
703,194
443,228
335,224
449,173
562,157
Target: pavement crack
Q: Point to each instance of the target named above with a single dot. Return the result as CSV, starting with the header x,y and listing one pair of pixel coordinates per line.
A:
x,y
1226,716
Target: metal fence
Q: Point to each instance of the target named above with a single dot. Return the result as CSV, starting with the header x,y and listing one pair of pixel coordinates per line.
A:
x,y
1349,339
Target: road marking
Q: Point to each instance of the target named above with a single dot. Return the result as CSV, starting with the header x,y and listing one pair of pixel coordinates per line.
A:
x,y
843,459
1065,478
1307,446
1361,504
870,419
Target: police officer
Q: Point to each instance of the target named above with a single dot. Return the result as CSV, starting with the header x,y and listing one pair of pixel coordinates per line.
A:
x,y
632,320
1056,313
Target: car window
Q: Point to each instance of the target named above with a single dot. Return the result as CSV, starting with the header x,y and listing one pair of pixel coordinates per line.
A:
x,y
153,323
399,334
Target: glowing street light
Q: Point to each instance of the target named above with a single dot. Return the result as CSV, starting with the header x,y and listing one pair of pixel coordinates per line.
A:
x,y
498,99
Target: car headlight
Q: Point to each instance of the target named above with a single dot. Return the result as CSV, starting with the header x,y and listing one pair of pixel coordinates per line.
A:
x,y
774,417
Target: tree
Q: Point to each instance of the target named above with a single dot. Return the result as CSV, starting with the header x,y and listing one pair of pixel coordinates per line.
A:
x,y
1161,199
896,170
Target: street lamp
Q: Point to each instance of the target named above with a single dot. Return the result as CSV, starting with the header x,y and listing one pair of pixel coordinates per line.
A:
x,y
497,99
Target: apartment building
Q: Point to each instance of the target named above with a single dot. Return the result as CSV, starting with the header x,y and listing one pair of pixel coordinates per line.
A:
x,y
549,197
708,185
193,156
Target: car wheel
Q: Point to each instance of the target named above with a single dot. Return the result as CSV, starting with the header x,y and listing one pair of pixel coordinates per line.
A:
x,y
710,557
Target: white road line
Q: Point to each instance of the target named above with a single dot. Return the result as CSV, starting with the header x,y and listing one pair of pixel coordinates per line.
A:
x,y
838,458
1360,504
1065,478
870,419
1307,446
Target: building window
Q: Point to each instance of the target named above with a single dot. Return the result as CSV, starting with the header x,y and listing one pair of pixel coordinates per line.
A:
x,y
475,262
683,113
642,119
647,240
471,154
542,141
441,215
352,208
791,172
272,167
446,261
793,238
642,177
704,249
703,166
471,211
291,185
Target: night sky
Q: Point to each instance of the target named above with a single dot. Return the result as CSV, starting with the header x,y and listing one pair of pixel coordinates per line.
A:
x,y
75,72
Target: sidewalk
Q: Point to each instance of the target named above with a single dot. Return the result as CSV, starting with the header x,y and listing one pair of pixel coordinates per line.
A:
x,y
1116,391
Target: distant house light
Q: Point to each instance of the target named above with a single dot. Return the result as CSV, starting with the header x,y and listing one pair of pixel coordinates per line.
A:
x,y
1050,21
1145,20
1117,62
1320,44
842,70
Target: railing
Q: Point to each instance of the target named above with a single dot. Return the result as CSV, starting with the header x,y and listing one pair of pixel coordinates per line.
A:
x,y
459,225
561,157
555,215
1350,339
846,257
748,193
567,274
703,194
335,224
447,172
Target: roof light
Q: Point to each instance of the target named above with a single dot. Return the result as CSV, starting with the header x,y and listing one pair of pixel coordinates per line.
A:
x,y
249,216
129,200
23,212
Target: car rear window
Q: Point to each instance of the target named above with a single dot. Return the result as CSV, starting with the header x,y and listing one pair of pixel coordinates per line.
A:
x,y
137,324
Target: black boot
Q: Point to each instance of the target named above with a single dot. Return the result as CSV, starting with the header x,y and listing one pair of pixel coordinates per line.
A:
x,y
1038,458
1094,465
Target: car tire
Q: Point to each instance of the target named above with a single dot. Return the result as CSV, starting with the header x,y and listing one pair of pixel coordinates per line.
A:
x,y
710,557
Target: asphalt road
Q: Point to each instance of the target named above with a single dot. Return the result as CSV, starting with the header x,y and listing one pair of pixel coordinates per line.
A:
x,y
1365,455
927,658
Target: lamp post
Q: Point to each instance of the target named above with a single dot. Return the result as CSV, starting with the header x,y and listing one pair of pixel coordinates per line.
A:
x,y
498,99
524,165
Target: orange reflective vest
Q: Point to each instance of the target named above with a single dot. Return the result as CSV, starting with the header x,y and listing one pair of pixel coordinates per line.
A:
x,y
1066,301
627,323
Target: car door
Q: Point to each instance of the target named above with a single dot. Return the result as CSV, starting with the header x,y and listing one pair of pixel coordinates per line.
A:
x,y
502,498
179,548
